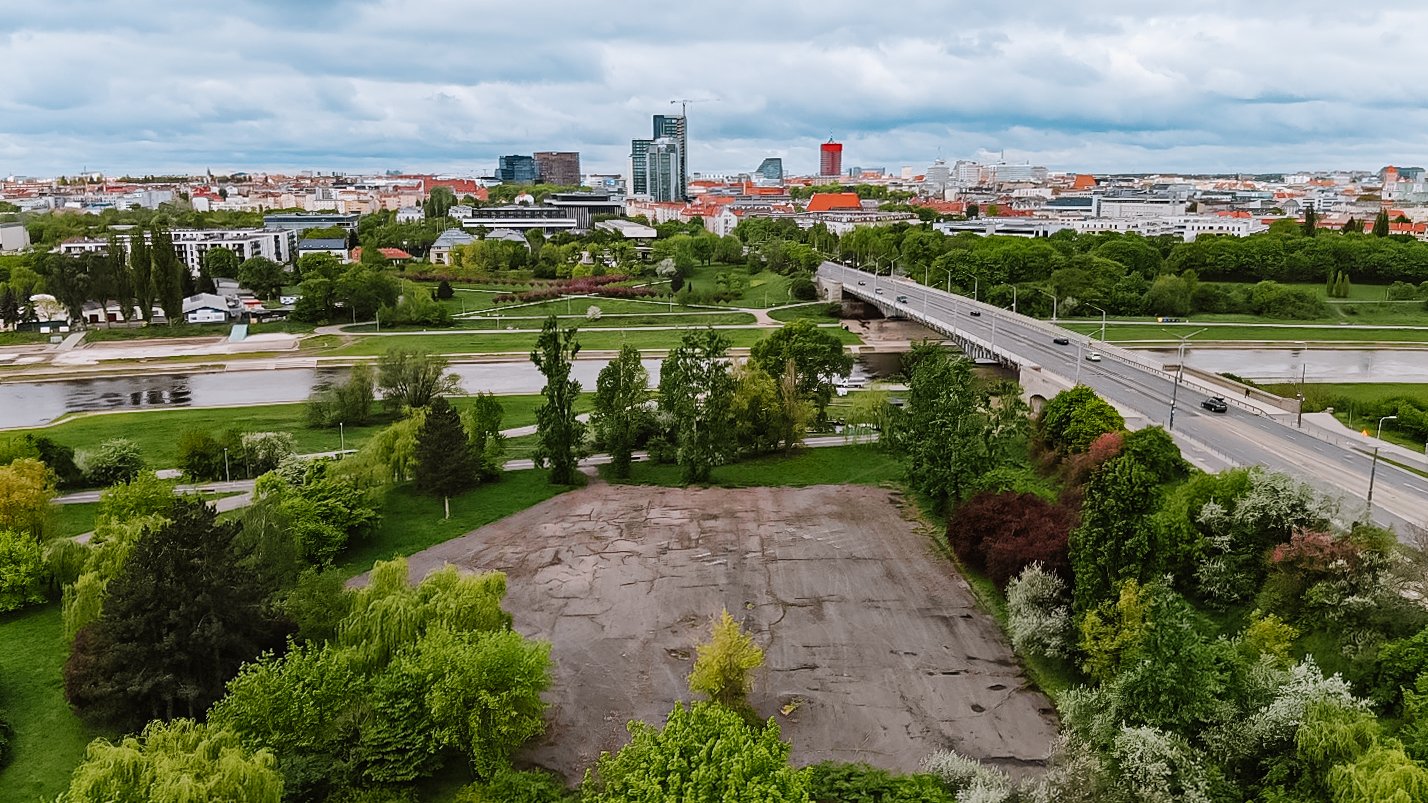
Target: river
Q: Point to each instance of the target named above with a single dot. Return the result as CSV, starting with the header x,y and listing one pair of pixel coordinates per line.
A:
x,y
28,404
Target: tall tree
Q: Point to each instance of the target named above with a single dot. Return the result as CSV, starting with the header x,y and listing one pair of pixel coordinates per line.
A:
x,y
621,391
444,464
1117,540
167,269
9,306
67,278
179,618
483,428
412,378
141,273
817,355
696,387
1380,224
219,263
263,276
562,435
1311,222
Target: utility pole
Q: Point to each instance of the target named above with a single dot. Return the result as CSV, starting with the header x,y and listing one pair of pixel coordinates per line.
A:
x,y
1373,470
1179,375
1299,414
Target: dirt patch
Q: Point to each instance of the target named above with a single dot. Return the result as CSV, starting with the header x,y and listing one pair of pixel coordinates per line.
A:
x,y
875,637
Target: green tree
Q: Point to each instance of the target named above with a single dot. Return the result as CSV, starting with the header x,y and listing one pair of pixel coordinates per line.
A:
x,y
1116,540
817,355
111,462
141,274
218,263
412,378
723,666
22,570
26,488
175,762
696,389
951,432
561,434
179,618
621,393
1311,222
1073,418
263,276
67,278
144,495
444,463
1380,224
168,274
483,429
706,752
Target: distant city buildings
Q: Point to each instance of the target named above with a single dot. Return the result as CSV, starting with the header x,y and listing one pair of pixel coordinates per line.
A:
x,y
670,140
558,167
830,159
517,169
770,169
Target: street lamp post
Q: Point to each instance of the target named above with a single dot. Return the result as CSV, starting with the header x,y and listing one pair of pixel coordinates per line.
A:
x,y
227,477
342,436
1103,320
1179,375
1373,470
1053,302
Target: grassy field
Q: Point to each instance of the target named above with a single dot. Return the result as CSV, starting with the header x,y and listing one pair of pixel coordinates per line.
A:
x,y
1127,332
22,338
861,464
156,431
412,522
766,288
1349,398
67,521
49,738
653,317
101,334
518,342
816,310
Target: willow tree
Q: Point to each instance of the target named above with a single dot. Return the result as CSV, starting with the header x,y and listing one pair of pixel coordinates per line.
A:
x,y
561,434
175,762
621,391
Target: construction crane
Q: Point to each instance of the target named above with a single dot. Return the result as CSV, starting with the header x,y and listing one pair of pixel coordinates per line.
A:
x,y
684,104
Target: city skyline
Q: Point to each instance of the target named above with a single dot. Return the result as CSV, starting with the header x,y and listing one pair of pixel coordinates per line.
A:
x,y
370,86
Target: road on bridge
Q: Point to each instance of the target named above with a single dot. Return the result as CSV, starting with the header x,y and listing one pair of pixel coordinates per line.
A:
x,y
1241,437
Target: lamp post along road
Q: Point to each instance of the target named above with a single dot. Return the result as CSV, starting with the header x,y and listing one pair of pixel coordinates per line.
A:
x,y
1103,320
1053,302
1373,469
1179,375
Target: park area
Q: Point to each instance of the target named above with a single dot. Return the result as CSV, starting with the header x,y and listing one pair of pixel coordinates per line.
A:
x,y
876,650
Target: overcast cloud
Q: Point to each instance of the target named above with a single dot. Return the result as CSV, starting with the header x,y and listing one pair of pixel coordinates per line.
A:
x,y
1216,85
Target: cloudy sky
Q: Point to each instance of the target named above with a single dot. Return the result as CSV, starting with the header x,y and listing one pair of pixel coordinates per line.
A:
x,y
1113,85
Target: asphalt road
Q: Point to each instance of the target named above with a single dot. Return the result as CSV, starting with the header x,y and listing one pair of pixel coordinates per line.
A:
x,y
1240,437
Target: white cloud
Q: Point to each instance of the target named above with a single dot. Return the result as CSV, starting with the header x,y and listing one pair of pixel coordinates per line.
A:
x,y
1116,85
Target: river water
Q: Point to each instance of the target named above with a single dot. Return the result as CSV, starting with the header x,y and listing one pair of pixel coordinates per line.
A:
x,y
27,404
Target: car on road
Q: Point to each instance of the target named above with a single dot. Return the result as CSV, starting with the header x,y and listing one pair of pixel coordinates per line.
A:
x,y
976,313
1093,356
862,283
1061,341
879,291
1216,404
902,299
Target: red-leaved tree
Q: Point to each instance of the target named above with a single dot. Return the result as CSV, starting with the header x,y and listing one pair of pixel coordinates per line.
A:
x,y
1002,533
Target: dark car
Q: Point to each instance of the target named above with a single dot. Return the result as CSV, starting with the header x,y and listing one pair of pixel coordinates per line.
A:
x,y
1215,404
976,313
862,284
1061,341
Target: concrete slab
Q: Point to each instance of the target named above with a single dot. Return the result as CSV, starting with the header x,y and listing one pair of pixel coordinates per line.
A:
x,y
876,636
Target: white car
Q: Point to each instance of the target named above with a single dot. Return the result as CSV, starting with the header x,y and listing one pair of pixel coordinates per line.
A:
x,y
1093,356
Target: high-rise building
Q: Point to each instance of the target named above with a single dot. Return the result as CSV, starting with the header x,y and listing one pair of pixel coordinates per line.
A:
x,y
639,178
771,169
672,126
517,169
830,158
558,167
663,163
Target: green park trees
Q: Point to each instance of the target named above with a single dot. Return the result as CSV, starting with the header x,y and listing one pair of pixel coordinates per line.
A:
x,y
146,657
723,666
1075,418
621,396
695,389
562,435
263,276
818,358
175,762
445,462
412,378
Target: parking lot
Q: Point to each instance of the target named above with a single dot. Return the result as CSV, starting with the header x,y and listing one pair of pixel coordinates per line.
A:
x,y
874,644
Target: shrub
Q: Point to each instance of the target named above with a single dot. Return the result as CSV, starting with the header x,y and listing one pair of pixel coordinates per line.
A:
x,y
22,570
111,462
512,786
723,665
262,451
1038,616
834,782
1002,533
200,456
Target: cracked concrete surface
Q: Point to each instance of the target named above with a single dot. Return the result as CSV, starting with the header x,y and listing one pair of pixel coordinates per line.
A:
x,y
861,621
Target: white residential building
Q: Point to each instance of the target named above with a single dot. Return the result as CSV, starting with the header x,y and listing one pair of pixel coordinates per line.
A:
x,y
190,245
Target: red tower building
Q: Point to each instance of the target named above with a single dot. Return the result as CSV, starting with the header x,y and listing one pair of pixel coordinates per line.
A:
x,y
830,158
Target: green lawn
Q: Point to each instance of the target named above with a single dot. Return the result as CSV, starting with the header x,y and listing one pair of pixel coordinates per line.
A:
x,y
1127,332
652,317
49,738
520,342
67,521
22,338
766,288
1350,398
412,522
100,334
817,310
156,431
862,464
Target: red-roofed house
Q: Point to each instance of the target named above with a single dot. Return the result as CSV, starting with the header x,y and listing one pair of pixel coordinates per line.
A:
x,y
391,254
835,202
